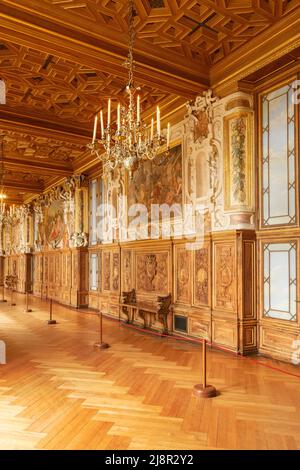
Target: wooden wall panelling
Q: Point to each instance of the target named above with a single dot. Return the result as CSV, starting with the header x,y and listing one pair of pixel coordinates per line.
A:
x,y
127,271
80,277
224,290
109,297
234,321
2,269
37,274
66,279
45,273
62,275
20,265
153,273
191,284
50,275
247,316
200,318
145,266
75,278
104,303
29,273
183,274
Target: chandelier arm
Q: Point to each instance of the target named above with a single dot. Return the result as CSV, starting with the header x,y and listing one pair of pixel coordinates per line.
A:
x,y
131,143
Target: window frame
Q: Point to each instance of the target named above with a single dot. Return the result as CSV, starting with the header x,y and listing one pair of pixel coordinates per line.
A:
x,y
260,203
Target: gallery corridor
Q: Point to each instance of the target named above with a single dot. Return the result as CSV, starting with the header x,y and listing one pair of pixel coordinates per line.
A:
x,y
58,392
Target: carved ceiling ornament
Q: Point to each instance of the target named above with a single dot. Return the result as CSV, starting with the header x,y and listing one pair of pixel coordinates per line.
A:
x,y
42,148
200,115
223,28
50,85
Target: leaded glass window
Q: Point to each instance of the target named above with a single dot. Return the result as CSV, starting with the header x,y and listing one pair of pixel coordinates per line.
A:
x,y
280,281
93,212
100,220
278,157
94,272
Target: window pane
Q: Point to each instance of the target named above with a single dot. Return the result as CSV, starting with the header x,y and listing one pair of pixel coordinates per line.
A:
x,y
94,271
280,281
93,212
100,216
278,162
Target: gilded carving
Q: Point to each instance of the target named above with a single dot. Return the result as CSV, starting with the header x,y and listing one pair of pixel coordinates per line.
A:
x,y
238,161
42,148
106,270
201,273
224,279
115,271
200,115
126,270
183,275
238,155
152,272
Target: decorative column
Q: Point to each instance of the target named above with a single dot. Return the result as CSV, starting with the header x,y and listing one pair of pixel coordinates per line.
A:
x,y
79,244
2,257
219,134
81,206
238,150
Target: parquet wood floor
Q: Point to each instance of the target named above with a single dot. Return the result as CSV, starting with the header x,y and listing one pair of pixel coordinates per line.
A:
x,y
58,392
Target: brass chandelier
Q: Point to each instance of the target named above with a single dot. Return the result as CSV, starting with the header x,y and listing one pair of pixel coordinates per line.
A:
x,y
4,215
8,216
130,141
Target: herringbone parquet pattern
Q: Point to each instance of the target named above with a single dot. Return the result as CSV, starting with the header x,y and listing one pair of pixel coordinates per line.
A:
x,y
58,392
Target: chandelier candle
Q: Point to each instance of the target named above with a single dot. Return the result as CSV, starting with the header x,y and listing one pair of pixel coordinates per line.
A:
x,y
138,110
126,143
158,121
108,113
168,136
95,129
119,117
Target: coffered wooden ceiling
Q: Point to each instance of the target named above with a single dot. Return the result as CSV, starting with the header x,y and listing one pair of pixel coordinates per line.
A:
x,y
62,59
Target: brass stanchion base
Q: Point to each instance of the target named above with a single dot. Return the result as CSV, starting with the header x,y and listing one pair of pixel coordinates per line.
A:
x,y
13,304
51,322
27,310
3,300
205,392
101,345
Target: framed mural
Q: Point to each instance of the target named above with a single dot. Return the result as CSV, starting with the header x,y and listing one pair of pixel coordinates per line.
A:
x,y
54,223
157,184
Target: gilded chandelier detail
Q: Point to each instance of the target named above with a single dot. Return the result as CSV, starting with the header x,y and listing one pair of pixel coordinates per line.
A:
x,y
129,141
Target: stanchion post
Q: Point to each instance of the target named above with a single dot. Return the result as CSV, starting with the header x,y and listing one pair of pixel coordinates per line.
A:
x,y
12,303
203,390
3,298
27,309
51,321
101,344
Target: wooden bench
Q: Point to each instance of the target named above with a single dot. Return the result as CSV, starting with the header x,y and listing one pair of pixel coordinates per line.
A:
x,y
159,311
11,281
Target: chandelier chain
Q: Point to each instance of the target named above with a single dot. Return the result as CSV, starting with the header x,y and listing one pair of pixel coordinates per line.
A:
x,y
131,32
129,141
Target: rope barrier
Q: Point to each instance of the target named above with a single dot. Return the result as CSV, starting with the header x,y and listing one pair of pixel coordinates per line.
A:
x,y
185,340
195,341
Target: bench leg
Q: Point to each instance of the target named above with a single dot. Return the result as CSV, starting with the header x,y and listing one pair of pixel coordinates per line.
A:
x,y
142,314
126,313
164,320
